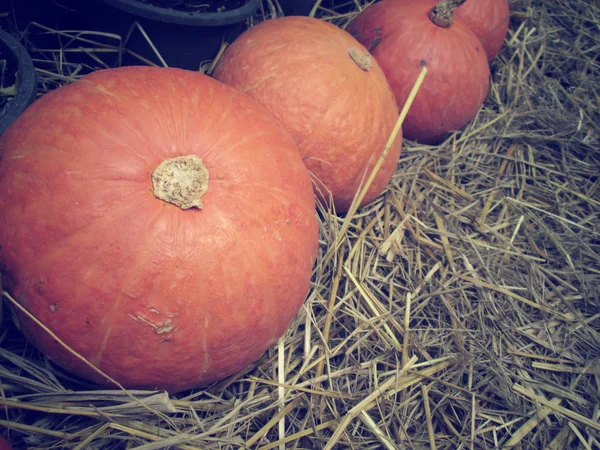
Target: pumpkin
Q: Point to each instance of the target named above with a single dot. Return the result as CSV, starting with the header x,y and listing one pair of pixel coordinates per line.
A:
x,y
488,19
4,444
160,223
403,37
328,92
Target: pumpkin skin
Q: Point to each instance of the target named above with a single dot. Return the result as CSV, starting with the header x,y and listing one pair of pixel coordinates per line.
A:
x,y
402,38
154,295
340,115
4,444
489,20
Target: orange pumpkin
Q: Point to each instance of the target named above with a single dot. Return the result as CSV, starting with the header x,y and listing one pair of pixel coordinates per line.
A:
x,y
161,223
328,92
403,37
489,20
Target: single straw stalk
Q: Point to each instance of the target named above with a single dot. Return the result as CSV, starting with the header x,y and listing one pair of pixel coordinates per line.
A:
x,y
281,389
329,316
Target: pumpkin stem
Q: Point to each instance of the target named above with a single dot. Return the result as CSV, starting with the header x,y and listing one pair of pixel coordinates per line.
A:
x,y
362,60
442,14
181,181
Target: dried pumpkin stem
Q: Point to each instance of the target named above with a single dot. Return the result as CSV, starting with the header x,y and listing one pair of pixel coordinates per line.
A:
x,y
362,59
442,14
181,181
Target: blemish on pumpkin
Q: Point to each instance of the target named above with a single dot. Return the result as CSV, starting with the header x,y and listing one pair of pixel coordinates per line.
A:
x,y
154,310
423,63
140,319
171,315
166,327
288,221
102,89
53,307
374,43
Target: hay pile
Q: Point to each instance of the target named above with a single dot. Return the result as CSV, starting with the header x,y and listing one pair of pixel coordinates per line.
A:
x,y
460,310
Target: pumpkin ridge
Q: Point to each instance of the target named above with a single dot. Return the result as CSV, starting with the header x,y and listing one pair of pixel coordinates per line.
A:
x,y
222,149
230,190
140,303
67,298
40,264
128,292
97,358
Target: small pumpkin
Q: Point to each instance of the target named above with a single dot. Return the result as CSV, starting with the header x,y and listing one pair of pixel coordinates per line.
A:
x,y
404,36
489,20
330,94
161,223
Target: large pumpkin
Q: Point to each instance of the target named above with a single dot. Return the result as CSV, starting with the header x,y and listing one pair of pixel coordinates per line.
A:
x,y
403,37
161,223
328,92
489,20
